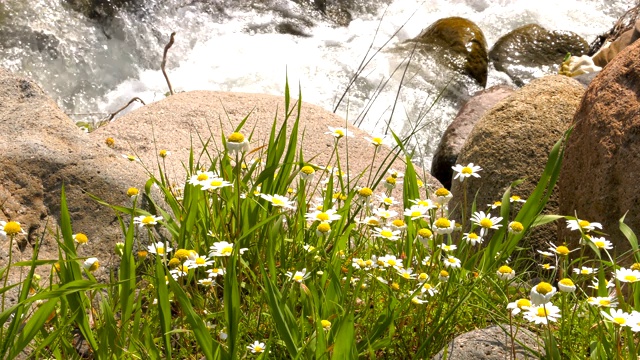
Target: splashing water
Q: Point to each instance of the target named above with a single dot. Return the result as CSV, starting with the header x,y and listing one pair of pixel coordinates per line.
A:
x,y
92,68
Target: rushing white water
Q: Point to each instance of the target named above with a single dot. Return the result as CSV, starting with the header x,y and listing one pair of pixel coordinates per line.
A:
x,y
94,69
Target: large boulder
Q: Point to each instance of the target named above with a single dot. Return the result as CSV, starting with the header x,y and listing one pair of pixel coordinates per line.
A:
x,y
598,180
493,343
459,43
512,141
182,120
40,150
532,51
454,137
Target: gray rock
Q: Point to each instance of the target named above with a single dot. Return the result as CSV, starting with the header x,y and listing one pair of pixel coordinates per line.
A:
x,y
493,343
454,137
531,51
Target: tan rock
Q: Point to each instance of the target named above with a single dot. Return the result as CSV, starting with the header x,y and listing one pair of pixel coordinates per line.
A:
x,y
185,119
512,141
599,177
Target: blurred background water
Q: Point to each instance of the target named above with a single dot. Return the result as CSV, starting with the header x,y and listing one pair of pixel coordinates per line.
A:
x,y
93,66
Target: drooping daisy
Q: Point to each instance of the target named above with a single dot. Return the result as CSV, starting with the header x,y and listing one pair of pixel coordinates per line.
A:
x,y
257,347
146,220
442,196
542,293
80,238
505,273
159,249
339,132
443,276
398,225
627,275
237,143
566,285
542,314
91,264
298,276
279,201
326,216
583,225
443,226
518,306
386,233
515,227
472,238
307,173
424,235
463,172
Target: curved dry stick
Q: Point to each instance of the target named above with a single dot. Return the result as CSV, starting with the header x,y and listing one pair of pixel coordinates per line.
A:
x,y
122,108
164,61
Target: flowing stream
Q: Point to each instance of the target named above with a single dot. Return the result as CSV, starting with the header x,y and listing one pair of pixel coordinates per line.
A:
x,y
92,68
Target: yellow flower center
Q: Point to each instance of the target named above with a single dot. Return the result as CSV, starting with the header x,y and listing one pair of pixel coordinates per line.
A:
x,y
12,228
325,323
391,180
216,183
307,170
415,214
147,220
423,276
442,192
297,277
142,254
620,320
467,170
504,269
324,227
182,254
202,177
110,142
516,226
566,282
562,250
163,153
395,286
486,223
132,191
635,266
398,223
605,302
544,288
94,266
200,261
451,260
599,244
631,278
160,250
322,216
515,197
276,201
361,263
522,303
258,348
420,183
473,236
369,262
427,286
366,192
444,273
542,312
442,223
81,238
546,266
497,203
377,140
227,250
386,233
174,262
373,222
235,137
584,223
425,233
392,262
338,132
585,272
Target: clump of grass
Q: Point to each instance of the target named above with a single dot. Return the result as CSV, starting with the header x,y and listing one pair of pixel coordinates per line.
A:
x,y
279,258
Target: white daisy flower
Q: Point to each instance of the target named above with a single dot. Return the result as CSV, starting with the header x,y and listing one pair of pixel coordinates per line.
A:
x,y
463,172
505,273
566,285
326,216
159,249
257,347
279,201
452,262
485,221
339,132
617,316
601,243
627,275
585,270
542,293
542,314
298,276
443,226
518,306
146,220
603,301
583,225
